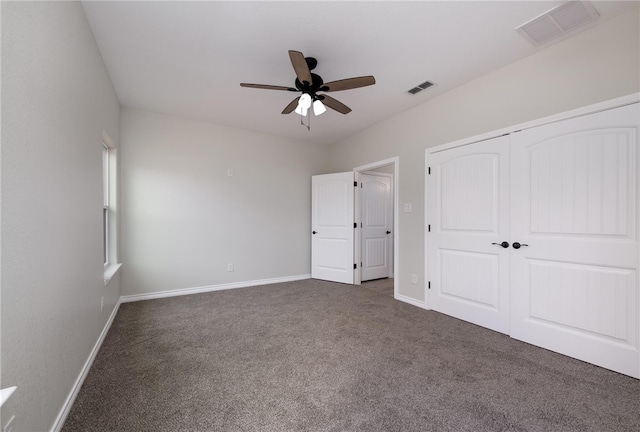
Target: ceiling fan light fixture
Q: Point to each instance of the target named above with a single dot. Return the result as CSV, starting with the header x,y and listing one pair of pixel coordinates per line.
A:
x,y
318,107
304,103
305,100
309,84
301,110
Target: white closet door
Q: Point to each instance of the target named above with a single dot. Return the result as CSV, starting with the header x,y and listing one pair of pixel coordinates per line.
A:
x,y
574,205
377,226
332,227
468,195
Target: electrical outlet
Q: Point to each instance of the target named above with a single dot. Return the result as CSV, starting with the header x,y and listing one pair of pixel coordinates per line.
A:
x,y
10,425
230,172
230,267
414,278
101,304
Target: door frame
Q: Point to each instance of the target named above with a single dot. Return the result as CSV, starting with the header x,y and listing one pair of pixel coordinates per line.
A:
x,y
395,187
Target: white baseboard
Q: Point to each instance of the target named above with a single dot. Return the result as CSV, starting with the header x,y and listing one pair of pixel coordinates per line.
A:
x,y
66,407
210,288
411,301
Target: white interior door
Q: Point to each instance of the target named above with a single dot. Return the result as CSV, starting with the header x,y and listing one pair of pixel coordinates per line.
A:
x,y
332,222
468,213
574,196
377,226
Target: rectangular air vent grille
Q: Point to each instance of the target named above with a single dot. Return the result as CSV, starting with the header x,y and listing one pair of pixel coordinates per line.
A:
x,y
425,85
558,21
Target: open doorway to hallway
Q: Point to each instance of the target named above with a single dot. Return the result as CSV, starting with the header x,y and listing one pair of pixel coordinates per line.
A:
x,y
376,213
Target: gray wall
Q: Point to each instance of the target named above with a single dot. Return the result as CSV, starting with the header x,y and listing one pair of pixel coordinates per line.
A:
x,y
56,101
184,219
596,65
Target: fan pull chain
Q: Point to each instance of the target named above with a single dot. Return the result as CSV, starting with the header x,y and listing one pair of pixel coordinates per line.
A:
x,y
308,125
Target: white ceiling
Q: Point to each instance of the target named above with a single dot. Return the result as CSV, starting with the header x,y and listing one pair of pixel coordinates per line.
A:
x,y
188,58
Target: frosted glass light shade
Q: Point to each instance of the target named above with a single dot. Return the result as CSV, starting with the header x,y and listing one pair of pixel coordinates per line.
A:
x,y
318,108
304,103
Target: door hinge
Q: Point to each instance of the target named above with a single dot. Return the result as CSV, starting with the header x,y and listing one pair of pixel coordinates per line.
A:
x,y
355,266
429,285
355,183
355,224
428,228
429,170
360,263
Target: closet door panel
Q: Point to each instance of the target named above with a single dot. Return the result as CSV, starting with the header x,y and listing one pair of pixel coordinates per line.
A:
x,y
468,196
574,284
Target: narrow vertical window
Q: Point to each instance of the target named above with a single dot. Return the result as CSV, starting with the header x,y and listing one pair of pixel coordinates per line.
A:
x,y
109,208
105,204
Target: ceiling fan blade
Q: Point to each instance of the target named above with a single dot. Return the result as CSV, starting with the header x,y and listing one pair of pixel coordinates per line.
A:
x,y
300,66
267,87
335,105
349,83
289,108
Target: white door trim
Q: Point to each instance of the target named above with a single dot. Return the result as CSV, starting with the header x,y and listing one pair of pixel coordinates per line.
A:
x,y
395,161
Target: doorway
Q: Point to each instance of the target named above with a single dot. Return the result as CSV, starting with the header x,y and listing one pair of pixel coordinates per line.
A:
x,y
336,219
376,225
376,243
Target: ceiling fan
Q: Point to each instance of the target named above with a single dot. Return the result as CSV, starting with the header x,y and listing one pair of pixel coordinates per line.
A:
x,y
310,84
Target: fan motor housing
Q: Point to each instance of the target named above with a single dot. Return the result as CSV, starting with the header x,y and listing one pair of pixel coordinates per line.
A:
x,y
316,84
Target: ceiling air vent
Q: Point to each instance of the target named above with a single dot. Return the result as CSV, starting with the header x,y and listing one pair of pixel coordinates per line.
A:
x,y
425,85
558,21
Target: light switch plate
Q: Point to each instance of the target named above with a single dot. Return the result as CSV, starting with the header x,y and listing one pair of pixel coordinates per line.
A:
x,y
408,208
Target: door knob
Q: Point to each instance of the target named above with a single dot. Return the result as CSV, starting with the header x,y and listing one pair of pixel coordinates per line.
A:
x,y
388,232
314,232
517,245
504,244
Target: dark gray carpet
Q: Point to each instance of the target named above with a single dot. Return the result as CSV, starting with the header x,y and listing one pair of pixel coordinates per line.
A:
x,y
319,356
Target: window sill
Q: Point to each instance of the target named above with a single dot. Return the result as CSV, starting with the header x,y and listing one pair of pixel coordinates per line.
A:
x,y
110,271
